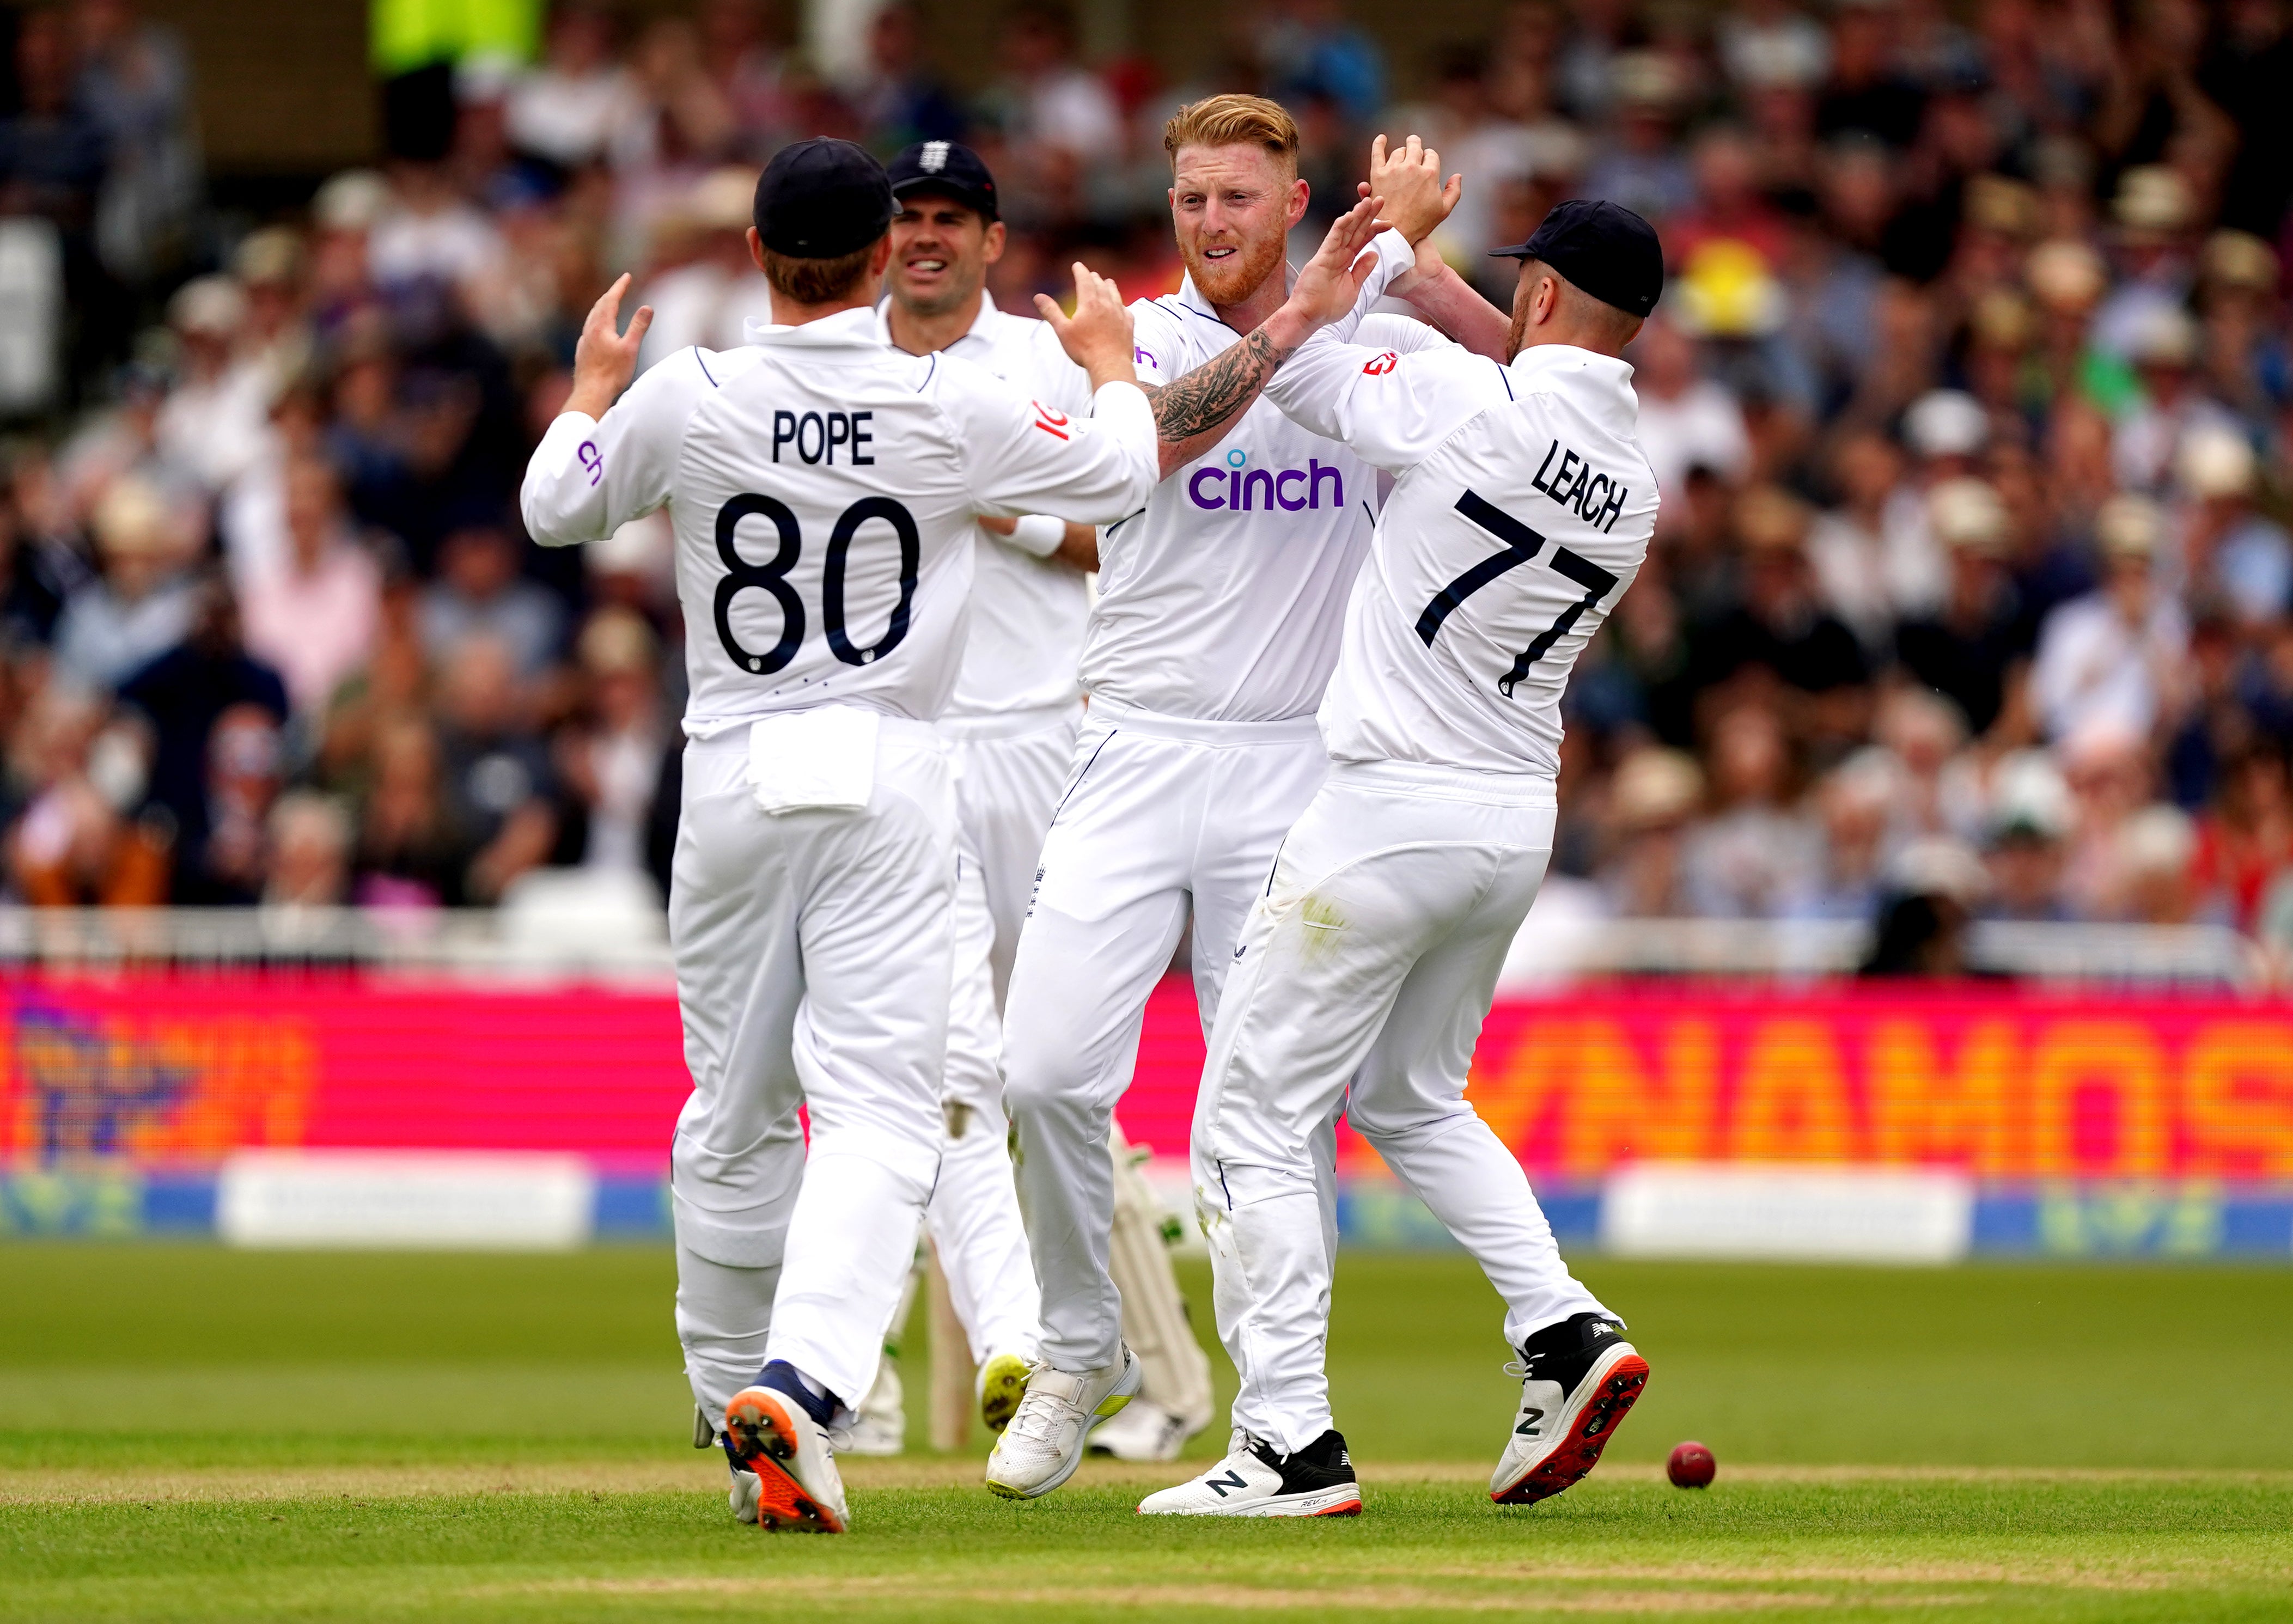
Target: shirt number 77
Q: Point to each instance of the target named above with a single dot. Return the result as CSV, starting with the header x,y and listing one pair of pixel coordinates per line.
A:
x,y
1521,545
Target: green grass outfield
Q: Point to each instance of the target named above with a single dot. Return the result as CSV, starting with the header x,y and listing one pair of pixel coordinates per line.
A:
x,y
187,1433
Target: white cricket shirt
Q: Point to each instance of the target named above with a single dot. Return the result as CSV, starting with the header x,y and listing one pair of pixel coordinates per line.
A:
x,y
1027,612
1521,510
822,489
1223,600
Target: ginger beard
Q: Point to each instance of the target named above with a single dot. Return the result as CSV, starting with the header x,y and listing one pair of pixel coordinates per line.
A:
x,y
1233,208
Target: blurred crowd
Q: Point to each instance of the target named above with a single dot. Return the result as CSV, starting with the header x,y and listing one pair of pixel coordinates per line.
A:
x,y
1971,401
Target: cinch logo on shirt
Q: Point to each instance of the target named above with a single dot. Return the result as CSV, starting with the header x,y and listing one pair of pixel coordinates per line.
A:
x,y
1379,365
1244,490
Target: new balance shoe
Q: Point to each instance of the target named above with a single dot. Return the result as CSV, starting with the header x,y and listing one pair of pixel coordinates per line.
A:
x,y
1144,1431
784,1473
1044,1445
1254,1481
1578,1378
1002,1383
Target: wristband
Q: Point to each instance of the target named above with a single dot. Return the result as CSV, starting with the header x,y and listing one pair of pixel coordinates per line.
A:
x,y
1039,534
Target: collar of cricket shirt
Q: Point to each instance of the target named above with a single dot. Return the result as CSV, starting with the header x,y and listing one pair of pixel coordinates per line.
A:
x,y
978,330
1603,382
855,326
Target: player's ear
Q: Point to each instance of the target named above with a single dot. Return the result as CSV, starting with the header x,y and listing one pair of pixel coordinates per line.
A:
x,y
879,257
995,238
757,247
1300,192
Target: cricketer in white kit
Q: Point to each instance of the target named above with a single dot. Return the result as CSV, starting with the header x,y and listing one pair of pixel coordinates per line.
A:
x,y
1521,510
823,490
1214,634
1011,725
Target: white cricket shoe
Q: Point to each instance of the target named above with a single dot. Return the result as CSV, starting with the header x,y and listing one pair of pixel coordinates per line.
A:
x,y
1144,1431
783,1472
1002,1383
1254,1481
1578,1379
1044,1445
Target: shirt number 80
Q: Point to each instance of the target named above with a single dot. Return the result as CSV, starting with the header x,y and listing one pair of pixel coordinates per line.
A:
x,y
740,576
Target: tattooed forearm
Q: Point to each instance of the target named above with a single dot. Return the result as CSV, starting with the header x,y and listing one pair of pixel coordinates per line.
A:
x,y
1208,398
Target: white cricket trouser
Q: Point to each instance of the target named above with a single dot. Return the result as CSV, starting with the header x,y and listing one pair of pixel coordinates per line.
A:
x,y
1371,960
1007,787
1159,811
813,966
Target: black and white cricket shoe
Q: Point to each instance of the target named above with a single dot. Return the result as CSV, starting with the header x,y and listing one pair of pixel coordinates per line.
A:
x,y
1255,1482
1578,1378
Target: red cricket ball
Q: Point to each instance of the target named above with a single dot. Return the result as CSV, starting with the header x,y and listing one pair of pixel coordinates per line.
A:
x,y
1691,1467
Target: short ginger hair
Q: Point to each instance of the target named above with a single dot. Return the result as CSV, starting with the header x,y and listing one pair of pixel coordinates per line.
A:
x,y
1233,121
817,281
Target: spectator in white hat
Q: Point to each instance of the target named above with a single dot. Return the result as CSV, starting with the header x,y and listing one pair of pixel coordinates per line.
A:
x,y
2229,553
2150,241
2109,658
1945,431
142,605
1851,805
2155,853
217,417
2172,404
708,290
2030,817
342,216
1771,42
1653,799
1968,650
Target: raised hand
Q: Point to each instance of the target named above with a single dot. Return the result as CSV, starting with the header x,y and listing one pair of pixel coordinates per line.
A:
x,y
1098,336
1331,280
605,359
1408,177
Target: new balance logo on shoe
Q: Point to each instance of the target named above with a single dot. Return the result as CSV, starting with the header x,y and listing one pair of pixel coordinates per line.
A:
x,y
1528,1427
1255,1482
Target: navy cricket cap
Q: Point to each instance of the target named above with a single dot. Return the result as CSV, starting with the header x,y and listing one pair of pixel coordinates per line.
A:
x,y
1609,252
821,199
944,169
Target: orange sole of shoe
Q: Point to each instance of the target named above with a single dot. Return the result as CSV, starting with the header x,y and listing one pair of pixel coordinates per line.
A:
x,y
763,1435
1580,1451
